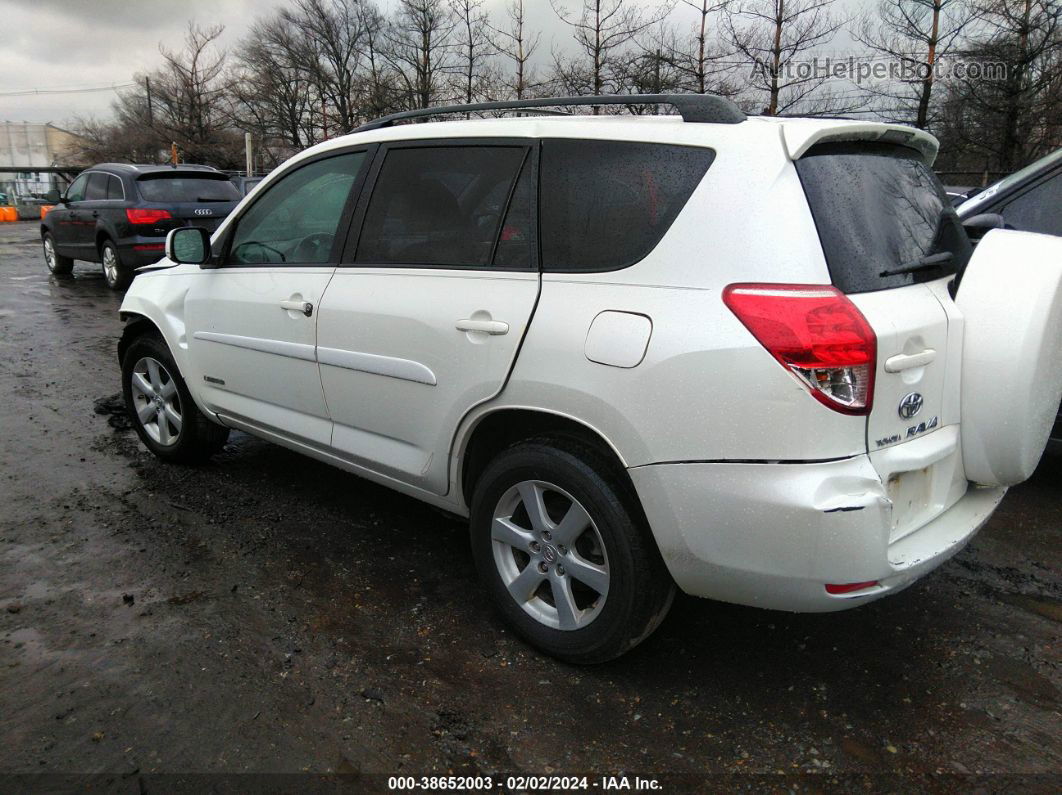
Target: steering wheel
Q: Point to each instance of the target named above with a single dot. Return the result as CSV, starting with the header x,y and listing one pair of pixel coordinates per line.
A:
x,y
312,247
268,250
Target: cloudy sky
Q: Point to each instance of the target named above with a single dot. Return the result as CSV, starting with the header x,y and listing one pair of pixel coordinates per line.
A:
x,y
62,47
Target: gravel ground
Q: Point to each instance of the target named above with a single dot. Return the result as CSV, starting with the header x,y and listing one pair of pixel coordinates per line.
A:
x,y
267,614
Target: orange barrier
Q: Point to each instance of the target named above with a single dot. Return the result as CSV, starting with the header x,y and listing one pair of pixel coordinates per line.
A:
x,y
45,208
8,214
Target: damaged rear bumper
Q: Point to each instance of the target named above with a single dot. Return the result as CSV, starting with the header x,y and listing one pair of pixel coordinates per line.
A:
x,y
773,535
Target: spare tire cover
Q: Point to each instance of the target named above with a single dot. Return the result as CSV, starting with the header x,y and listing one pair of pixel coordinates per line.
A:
x,y
1011,299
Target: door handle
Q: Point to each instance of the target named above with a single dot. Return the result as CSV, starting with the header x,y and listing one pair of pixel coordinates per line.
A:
x,y
484,326
297,306
905,361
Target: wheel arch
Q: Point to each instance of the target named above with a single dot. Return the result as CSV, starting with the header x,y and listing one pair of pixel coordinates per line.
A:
x,y
135,325
495,430
102,235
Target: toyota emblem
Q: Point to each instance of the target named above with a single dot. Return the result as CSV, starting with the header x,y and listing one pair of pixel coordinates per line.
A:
x,y
910,405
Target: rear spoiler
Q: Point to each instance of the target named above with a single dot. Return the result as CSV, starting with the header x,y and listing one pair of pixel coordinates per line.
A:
x,y
800,138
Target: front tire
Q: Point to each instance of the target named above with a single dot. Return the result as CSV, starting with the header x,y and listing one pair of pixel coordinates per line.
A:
x,y
161,408
560,542
57,264
115,273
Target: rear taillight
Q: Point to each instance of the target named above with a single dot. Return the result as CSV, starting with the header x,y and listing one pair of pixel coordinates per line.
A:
x,y
142,215
816,333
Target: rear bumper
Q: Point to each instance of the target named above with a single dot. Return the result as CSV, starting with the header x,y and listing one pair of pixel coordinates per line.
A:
x,y
134,257
773,535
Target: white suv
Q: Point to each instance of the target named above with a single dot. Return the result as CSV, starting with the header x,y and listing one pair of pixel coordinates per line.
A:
x,y
755,359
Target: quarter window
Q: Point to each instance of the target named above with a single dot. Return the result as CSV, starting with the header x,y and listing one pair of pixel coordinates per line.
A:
x,y
297,218
606,204
114,188
97,187
444,206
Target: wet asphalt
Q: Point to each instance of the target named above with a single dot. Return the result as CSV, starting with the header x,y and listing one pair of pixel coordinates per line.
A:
x,y
268,614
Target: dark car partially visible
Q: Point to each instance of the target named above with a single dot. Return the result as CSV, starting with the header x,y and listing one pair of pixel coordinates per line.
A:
x,y
118,215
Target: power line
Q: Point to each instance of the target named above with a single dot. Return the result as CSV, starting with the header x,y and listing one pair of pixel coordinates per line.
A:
x,y
28,92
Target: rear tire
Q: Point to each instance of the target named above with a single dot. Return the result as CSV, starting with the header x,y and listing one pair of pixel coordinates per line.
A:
x,y
115,273
57,264
581,595
161,408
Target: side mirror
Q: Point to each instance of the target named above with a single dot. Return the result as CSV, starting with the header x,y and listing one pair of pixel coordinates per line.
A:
x,y
188,245
977,226
53,197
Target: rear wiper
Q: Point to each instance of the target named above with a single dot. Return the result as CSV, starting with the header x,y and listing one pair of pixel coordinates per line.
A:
x,y
211,199
925,263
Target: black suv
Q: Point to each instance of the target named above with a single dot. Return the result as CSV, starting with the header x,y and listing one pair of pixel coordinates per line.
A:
x,y
119,214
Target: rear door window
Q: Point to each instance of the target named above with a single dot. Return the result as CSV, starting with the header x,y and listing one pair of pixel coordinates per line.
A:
x,y
444,206
606,204
97,187
165,188
882,216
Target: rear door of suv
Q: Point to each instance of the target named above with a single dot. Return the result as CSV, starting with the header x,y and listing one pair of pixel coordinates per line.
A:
x,y
892,243
425,314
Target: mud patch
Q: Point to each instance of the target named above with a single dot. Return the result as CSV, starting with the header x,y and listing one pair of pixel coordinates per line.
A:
x,y
113,408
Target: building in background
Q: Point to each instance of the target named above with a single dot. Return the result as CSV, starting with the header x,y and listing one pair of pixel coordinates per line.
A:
x,y
26,145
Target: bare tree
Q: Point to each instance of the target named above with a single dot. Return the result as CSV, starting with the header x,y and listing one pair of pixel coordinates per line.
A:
x,y
378,90
115,142
272,93
420,44
330,34
516,44
654,67
705,52
916,35
473,48
185,101
602,29
1015,119
772,35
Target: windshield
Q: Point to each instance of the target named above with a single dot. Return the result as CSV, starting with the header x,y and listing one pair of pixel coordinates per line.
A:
x,y
187,188
882,216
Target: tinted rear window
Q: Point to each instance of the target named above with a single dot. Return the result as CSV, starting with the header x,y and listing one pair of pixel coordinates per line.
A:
x,y
606,204
442,206
184,188
97,187
882,215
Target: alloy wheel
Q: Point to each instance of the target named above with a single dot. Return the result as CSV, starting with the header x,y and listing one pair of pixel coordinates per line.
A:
x,y
550,555
110,264
156,401
49,253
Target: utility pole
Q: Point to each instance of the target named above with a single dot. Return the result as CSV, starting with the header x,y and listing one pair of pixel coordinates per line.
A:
x,y
250,154
150,109
173,154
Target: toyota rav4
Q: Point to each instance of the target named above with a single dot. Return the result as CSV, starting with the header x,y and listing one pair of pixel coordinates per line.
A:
x,y
755,359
